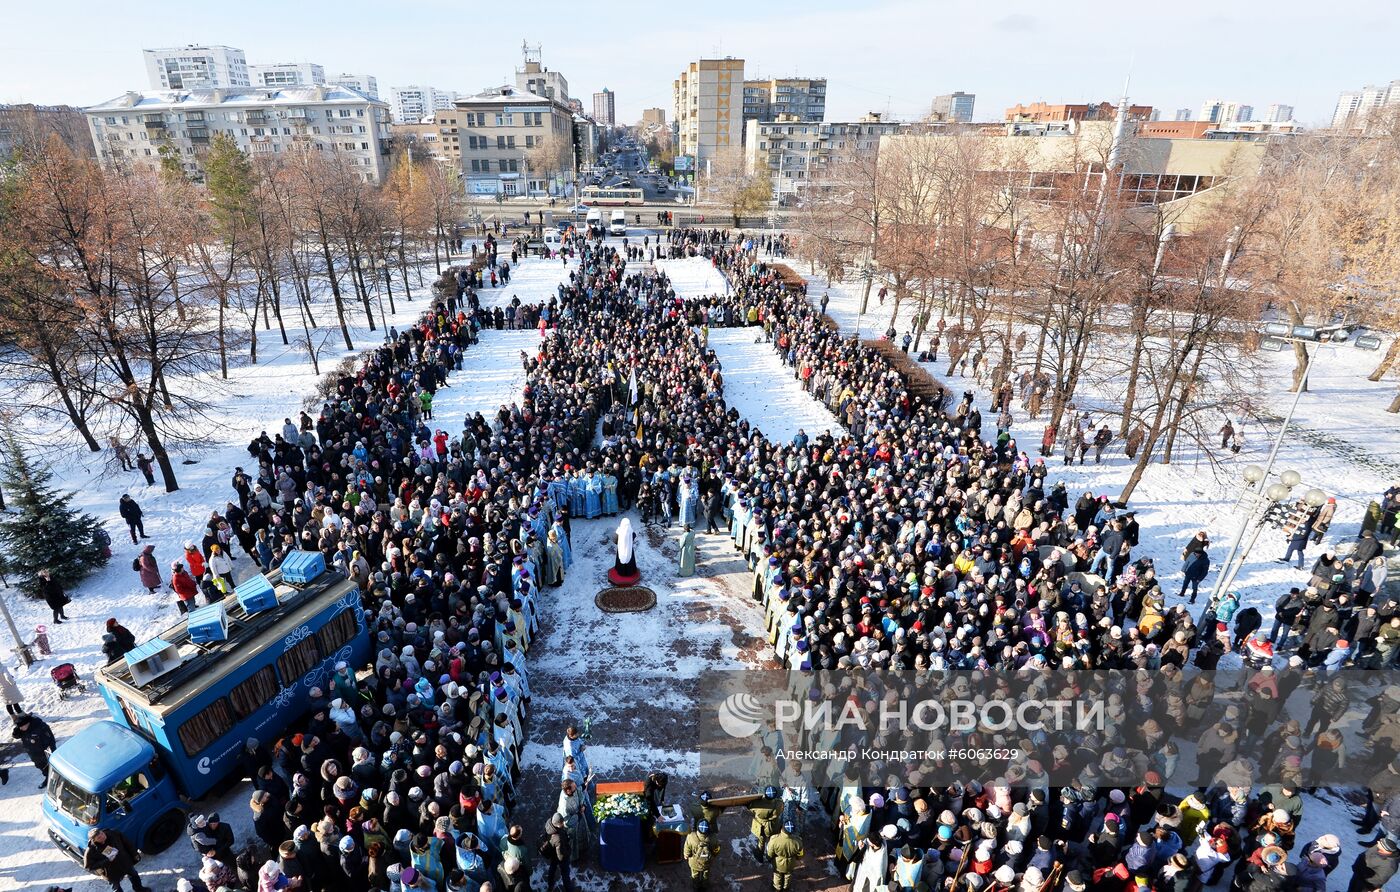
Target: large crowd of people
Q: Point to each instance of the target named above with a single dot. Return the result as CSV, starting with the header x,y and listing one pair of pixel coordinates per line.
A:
x,y
902,540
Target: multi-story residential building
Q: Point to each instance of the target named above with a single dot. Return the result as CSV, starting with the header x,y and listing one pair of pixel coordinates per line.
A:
x,y
654,116
1278,113
1354,107
364,83
605,108
514,142
537,79
411,105
286,74
196,67
138,128
1183,114
954,107
794,151
708,105
800,97
1042,112
42,121
1220,111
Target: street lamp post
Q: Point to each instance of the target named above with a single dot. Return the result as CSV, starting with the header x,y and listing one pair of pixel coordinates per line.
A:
x,y
1278,336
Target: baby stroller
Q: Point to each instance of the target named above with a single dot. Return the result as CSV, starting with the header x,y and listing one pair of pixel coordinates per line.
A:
x,y
66,677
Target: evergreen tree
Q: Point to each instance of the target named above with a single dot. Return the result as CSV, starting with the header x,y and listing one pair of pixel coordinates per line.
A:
x,y
41,530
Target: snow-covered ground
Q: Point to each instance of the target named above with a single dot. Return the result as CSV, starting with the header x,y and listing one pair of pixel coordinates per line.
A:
x,y
492,375
693,277
533,279
764,391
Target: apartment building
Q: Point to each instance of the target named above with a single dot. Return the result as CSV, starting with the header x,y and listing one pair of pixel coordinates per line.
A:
x,y
362,83
514,142
653,117
412,104
1354,107
605,108
1220,111
708,105
18,122
286,74
196,66
136,127
798,97
795,151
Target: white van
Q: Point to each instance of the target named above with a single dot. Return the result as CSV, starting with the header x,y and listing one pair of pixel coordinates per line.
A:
x,y
553,241
594,221
618,225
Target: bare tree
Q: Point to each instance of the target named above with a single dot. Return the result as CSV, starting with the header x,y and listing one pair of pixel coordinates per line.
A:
x,y
740,191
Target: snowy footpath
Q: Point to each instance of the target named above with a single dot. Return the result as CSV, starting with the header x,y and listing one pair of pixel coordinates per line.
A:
x,y
693,277
764,391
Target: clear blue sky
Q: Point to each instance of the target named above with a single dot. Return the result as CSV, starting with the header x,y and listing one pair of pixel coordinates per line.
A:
x,y
881,55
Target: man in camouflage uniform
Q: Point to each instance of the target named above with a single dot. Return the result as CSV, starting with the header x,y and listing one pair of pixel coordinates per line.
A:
x,y
700,851
785,851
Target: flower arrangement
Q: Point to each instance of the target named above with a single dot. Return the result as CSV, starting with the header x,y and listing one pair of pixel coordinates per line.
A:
x,y
621,805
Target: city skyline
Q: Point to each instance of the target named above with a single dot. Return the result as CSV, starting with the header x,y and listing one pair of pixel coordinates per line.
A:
x,y
862,53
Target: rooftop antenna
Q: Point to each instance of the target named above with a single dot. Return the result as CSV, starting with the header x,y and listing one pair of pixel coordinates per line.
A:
x,y
530,53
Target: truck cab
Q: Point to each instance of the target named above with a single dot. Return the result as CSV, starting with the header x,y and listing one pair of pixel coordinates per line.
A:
x,y
109,776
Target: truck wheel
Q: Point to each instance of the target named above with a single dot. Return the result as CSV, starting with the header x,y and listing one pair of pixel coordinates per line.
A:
x,y
164,832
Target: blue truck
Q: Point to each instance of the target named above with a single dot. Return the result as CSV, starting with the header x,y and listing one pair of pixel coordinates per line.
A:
x,y
184,703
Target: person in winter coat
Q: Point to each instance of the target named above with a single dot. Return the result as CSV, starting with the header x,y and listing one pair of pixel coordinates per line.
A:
x,y
53,595
132,514
125,640
267,818
9,693
554,848
146,565
1323,520
1286,611
221,566
1375,867
184,586
1247,622
1195,565
194,560
36,739
111,855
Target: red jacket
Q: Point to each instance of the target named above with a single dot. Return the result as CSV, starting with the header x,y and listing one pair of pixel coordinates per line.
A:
x,y
184,585
195,562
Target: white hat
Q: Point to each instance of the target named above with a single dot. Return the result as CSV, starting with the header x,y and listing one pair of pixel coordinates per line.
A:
x,y
1005,874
